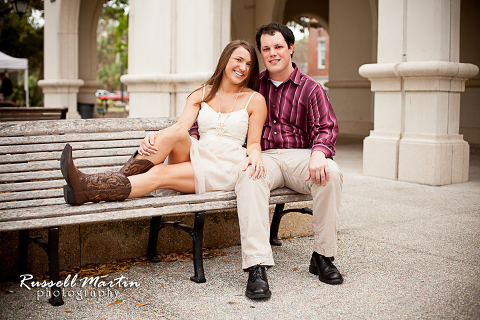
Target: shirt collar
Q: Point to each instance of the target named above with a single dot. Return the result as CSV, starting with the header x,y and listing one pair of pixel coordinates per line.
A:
x,y
295,76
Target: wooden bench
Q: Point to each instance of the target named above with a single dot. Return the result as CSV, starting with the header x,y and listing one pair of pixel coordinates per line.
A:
x,y
31,183
31,113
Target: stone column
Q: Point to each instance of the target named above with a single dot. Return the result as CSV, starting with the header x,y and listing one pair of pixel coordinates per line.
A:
x,y
174,46
61,83
417,83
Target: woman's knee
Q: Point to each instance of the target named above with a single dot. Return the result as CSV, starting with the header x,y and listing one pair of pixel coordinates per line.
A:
x,y
175,133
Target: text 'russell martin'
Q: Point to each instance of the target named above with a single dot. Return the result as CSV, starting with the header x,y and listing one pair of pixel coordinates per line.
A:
x,y
120,282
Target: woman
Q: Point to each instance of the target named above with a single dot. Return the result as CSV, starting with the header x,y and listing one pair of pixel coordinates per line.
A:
x,y
226,107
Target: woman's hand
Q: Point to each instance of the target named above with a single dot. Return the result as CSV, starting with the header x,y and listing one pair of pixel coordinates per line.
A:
x,y
147,145
258,168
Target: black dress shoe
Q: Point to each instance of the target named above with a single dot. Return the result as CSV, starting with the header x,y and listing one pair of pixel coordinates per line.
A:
x,y
324,268
257,285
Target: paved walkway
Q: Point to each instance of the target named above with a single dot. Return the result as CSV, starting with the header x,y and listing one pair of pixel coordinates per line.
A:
x,y
407,251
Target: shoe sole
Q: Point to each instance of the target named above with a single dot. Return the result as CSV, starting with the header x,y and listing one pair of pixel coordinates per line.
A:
x,y
314,271
259,296
68,193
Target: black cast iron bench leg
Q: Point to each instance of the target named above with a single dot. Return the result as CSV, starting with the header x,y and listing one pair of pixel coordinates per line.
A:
x,y
277,217
51,249
197,238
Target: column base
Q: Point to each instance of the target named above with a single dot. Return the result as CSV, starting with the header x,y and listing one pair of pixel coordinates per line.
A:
x,y
380,155
433,160
161,94
62,93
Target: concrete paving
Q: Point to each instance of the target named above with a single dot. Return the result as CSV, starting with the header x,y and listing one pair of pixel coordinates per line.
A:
x,y
407,251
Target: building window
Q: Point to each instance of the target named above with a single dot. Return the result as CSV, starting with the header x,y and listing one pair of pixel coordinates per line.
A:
x,y
321,53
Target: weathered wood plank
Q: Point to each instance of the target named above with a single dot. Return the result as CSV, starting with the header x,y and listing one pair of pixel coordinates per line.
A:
x,y
48,175
87,145
38,203
59,138
25,186
145,202
123,215
77,126
28,195
42,156
53,165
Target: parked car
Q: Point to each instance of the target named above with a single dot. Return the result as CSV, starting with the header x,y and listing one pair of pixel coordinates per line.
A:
x,y
117,95
101,92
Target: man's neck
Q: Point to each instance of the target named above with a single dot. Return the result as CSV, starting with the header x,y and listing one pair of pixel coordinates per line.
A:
x,y
282,75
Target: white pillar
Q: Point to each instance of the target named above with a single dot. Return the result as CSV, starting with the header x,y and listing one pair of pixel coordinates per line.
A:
x,y
417,83
61,83
174,46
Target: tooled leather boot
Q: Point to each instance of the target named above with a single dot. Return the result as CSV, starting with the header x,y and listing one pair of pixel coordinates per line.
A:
x,y
81,188
136,166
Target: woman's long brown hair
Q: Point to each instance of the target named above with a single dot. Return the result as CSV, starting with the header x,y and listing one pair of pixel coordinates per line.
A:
x,y
252,81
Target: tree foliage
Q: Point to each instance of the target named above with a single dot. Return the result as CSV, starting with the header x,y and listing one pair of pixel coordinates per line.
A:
x,y
112,43
23,38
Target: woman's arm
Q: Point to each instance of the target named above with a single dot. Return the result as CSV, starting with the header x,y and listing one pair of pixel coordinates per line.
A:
x,y
257,110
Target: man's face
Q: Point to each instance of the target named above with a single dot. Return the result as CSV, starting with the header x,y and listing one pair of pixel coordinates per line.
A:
x,y
276,55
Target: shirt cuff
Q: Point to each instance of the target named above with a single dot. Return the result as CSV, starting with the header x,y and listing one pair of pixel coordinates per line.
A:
x,y
328,153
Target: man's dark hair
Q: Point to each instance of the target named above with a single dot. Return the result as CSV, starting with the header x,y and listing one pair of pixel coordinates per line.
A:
x,y
2,74
273,27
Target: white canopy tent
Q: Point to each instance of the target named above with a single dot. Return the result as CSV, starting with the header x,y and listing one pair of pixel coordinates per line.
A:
x,y
8,63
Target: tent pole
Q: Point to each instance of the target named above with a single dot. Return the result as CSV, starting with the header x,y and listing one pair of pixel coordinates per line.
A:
x,y
27,100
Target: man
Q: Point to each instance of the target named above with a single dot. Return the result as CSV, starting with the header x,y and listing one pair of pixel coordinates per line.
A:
x,y
6,88
298,144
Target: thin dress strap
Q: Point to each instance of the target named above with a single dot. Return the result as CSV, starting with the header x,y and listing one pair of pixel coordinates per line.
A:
x,y
250,99
203,95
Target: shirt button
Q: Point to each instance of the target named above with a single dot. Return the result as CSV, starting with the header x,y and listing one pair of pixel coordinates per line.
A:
x,y
275,132
274,121
273,106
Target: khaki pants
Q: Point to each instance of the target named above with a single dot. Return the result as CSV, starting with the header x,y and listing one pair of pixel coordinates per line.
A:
x,y
286,167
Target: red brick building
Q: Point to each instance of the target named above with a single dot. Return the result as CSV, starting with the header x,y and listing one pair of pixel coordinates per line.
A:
x,y
318,54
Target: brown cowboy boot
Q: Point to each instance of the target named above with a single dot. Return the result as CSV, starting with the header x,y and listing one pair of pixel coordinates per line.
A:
x,y
136,166
81,188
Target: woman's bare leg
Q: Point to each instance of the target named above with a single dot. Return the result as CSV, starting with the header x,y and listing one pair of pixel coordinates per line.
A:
x,y
179,177
174,142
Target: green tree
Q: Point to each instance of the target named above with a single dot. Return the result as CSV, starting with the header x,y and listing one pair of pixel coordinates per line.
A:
x,y
112,43
23,38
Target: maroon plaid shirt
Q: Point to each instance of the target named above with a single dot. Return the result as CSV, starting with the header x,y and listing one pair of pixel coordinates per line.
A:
x,y
300,115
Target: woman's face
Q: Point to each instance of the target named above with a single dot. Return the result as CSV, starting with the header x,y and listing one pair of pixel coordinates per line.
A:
x,y
238,67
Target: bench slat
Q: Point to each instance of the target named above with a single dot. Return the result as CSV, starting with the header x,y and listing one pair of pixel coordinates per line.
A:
x,y
104,136
52,165
87,145
27,195
26,186
37,203
80,126
48,175
41,156
131,214
144,202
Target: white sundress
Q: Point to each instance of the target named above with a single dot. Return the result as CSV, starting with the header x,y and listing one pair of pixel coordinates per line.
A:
x,y
218,157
